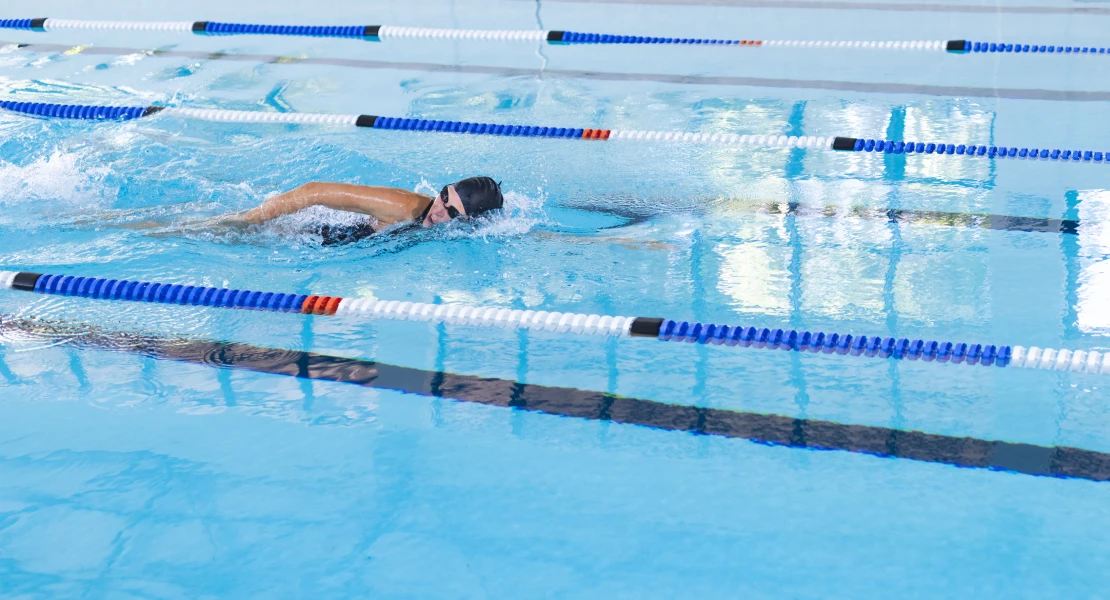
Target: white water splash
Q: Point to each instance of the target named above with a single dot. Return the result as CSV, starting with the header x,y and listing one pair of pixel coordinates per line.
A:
x,y
520,215
57,177
313,218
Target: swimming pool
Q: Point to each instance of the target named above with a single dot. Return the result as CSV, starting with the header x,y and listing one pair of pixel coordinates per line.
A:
x,y
156,450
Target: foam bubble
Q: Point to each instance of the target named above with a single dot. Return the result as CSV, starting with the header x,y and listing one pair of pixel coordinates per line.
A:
x,y
57,177
520,215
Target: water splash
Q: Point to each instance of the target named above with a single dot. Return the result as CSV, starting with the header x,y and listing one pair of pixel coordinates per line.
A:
x,y
60,176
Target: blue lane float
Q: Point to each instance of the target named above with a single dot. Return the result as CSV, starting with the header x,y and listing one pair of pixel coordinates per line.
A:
x,y
17,23
88,112
847,144
834,343
995,47
348,31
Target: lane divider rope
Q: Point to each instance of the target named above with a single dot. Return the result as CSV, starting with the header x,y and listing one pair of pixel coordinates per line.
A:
x,y
842,144
386,32
577,323
950,46
143,291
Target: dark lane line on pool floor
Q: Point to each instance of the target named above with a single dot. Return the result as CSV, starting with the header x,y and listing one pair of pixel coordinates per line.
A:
x,y
724,80
971,220
883,6
774,430
889,215
947,219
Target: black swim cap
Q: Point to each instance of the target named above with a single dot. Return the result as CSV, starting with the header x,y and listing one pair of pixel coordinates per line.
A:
x,y
479,195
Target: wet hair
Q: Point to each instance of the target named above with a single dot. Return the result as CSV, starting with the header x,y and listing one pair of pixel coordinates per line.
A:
x,y
479,195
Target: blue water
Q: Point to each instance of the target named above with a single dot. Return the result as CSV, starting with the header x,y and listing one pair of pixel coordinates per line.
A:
x,y
126,476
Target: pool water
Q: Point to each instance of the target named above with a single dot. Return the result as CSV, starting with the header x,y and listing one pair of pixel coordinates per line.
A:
x,y
127,475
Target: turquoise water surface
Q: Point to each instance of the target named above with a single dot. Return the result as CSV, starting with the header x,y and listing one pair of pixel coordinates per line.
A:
x,y
127,475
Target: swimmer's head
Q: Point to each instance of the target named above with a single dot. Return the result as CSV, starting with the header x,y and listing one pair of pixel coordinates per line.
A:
x,y
468,198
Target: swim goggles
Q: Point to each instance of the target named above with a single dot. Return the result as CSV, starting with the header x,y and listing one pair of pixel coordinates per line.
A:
x,y
451,210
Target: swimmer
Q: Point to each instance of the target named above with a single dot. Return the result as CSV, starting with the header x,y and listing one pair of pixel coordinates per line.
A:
x,y
388,207
464,199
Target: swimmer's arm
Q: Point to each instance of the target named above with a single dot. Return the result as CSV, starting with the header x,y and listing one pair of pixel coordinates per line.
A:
x,y
387,205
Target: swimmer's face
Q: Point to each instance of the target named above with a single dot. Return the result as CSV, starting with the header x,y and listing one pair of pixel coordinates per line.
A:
x,y
439,213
